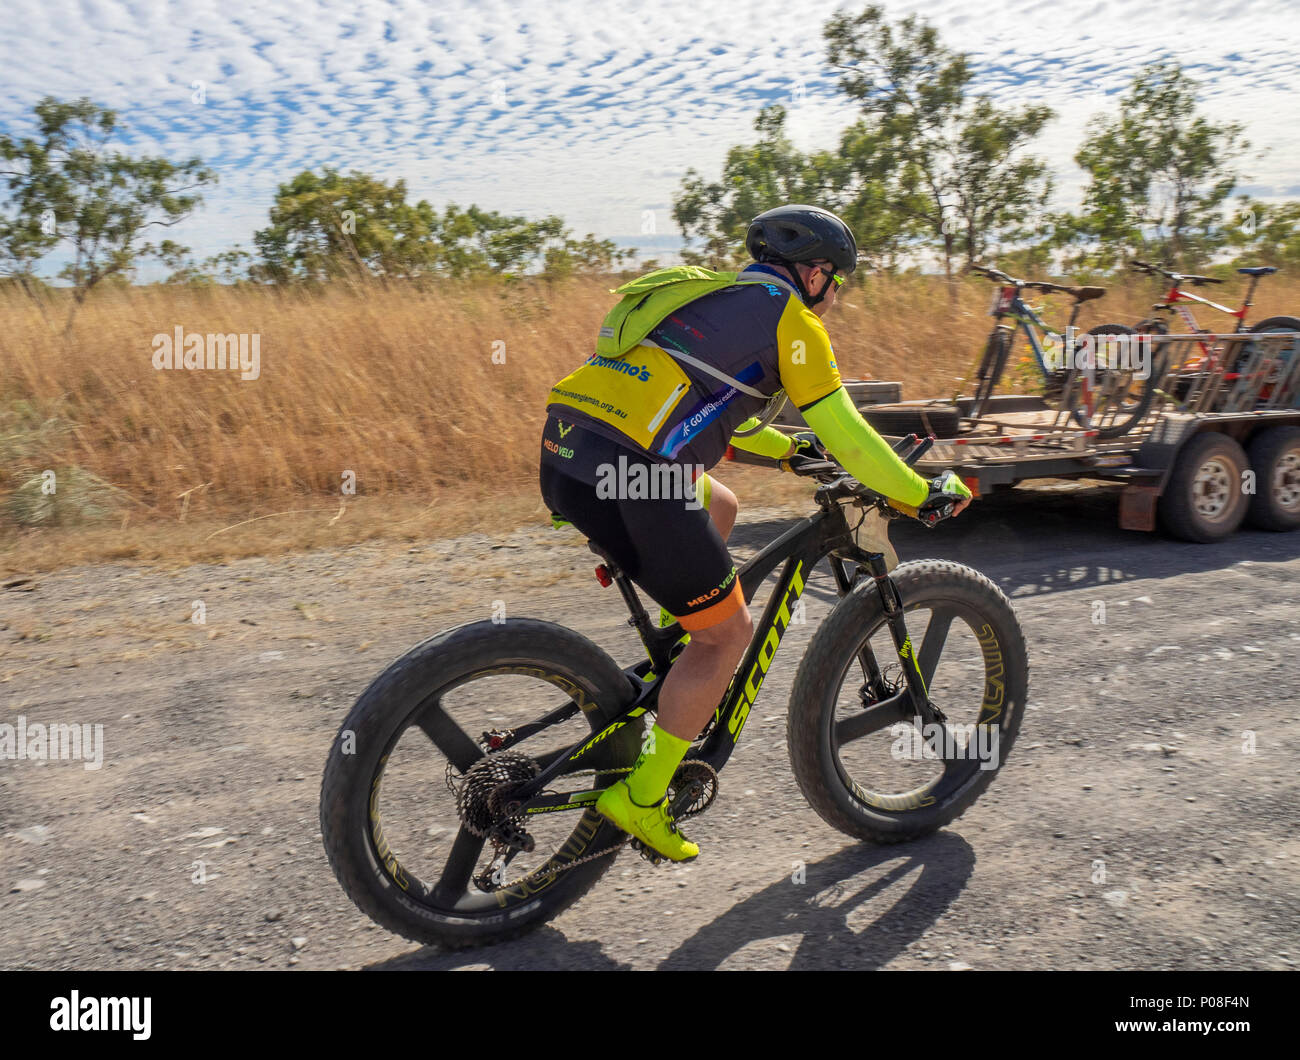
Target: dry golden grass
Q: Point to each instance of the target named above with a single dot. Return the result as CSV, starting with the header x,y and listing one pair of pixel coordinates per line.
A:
x,y
398,386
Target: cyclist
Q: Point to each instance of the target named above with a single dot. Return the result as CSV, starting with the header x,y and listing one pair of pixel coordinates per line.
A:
x,y
701,374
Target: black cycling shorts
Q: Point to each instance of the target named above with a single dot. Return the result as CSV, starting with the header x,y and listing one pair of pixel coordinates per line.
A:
x,y
645,514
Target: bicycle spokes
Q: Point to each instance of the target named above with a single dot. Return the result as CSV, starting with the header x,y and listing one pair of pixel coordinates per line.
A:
x,y
444,804
887,747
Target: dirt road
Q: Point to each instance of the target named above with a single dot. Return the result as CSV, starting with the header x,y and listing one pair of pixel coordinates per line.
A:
x,y
1130,827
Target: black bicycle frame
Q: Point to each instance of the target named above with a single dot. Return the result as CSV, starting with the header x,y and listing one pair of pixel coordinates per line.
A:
x,y
821,535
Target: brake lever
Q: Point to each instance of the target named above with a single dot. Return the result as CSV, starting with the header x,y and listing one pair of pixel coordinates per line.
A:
x,y
921,449
936,515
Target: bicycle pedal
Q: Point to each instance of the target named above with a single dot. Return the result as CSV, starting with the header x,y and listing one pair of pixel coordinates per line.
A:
x,y
651,855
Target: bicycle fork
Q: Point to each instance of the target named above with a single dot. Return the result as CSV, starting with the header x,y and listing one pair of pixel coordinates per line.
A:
x,y
892,602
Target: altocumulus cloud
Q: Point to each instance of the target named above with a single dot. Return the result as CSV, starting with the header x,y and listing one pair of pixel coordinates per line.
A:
x,y
592,110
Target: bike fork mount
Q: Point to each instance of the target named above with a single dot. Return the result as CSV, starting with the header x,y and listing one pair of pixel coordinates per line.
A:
x,y
892,603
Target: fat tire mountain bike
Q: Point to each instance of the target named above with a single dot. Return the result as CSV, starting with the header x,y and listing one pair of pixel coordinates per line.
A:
x,y
509,780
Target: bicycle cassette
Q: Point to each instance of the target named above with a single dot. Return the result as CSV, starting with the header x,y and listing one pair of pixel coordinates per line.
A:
x,y
481,798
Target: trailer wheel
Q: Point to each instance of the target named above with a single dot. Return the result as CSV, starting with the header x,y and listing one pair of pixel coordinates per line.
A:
x,y
1275,458
943,420
1204,500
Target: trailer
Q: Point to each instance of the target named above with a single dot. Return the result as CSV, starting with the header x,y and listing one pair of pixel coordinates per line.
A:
x,y
1218,442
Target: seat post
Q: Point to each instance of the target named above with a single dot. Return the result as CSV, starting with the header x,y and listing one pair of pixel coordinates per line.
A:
x,y
1250,293
639,620
628,592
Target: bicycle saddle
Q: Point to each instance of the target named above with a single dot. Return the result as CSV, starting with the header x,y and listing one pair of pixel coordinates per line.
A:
x,y
1084,294
1079,294
1262,270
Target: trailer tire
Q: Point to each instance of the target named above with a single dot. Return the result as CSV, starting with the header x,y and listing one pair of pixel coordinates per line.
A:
x,y
944,420
1204,500
1275,458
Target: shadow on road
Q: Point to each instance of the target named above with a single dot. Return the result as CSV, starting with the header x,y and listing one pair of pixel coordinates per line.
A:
x,y
843,918
1043,541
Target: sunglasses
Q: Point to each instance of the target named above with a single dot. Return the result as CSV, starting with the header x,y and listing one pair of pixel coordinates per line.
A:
x,y
838,279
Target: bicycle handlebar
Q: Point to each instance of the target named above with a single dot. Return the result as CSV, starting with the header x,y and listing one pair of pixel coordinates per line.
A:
x,y
840,483
996,275
1175,277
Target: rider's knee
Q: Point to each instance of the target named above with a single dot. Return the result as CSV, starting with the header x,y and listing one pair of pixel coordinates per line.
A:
x,y
723,508
722,500
731,634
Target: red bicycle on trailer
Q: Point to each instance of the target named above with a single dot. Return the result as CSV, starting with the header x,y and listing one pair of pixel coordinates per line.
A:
x,y
1176,301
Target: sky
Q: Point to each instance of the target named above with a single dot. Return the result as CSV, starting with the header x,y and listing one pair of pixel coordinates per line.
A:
x,y
590,110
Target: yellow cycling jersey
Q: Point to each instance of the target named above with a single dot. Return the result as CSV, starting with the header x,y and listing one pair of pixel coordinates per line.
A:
x,y
662,397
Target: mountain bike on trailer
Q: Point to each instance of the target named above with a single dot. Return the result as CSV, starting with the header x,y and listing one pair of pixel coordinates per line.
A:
x,y
465,834
1108,398
1177,300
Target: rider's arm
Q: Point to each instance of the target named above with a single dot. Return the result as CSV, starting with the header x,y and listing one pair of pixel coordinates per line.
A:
x,y
863,453
812,379
768,442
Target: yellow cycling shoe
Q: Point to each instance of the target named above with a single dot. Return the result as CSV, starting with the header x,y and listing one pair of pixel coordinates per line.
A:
x,y
651,824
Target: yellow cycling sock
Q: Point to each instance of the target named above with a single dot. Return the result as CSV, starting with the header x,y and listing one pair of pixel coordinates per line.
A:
x,y
660,757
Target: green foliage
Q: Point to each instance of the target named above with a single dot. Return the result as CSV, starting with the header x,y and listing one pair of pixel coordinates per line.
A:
x,y
946,167
715,215
30,497
330,226
69,185
1263,233
1159,176
587,256
925,168
78,498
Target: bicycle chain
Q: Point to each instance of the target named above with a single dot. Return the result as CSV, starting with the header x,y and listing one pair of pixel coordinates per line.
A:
x,y
649,855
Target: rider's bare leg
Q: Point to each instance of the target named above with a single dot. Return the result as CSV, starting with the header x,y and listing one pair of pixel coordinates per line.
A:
x,y
700,676
702,672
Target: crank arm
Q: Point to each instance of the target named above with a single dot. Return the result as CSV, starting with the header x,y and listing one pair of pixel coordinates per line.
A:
x,y
685,797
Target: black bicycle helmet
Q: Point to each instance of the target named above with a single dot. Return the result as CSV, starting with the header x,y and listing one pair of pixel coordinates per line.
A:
x,y
798,233
802,233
